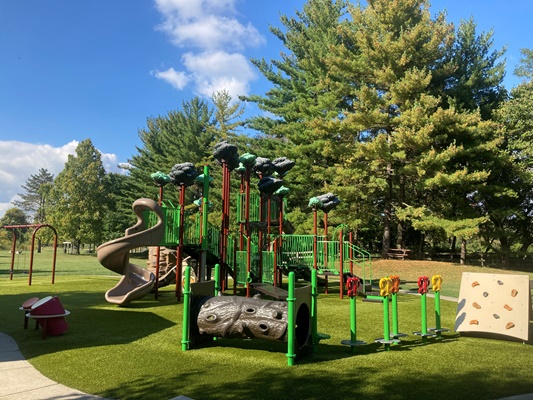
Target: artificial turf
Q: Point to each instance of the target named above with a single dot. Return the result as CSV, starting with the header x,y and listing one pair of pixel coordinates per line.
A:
x,y
135,352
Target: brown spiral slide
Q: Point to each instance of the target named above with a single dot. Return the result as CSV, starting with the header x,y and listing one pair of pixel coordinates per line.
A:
x,y
136,282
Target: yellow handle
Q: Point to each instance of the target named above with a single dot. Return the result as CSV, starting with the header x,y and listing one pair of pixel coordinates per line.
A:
x,y
436,282
385,286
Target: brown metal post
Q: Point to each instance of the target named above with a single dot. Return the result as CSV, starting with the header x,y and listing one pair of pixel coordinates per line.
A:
x,y
54,258
33,248
13,249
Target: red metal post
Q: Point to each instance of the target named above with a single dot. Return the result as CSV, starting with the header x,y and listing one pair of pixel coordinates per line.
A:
x,y
248,232
315,243
158,251
179,255
350,238
325,240
341,266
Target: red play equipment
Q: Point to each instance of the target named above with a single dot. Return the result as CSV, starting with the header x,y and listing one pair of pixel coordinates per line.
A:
x,y
13,247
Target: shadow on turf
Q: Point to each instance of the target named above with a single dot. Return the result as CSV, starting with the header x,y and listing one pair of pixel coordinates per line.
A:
x,y
281,382
92,322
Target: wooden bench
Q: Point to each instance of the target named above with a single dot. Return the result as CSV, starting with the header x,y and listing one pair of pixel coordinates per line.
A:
x,y
400,254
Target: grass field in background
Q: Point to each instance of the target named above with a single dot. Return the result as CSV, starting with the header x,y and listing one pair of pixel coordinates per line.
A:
x,y
135,352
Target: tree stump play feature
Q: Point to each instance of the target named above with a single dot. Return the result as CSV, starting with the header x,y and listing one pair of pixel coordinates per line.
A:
x,y
242,317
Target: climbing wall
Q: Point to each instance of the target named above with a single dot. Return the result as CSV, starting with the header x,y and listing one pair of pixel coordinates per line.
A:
x,y
494,303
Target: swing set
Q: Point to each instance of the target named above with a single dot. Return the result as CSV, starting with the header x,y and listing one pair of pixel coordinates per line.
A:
x,y
13,248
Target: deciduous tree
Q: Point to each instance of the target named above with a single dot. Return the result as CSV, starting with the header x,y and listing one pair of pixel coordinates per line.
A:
x,y
79,197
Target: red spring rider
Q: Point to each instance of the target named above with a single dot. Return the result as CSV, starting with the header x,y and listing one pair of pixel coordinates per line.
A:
x,y
423,284
352,284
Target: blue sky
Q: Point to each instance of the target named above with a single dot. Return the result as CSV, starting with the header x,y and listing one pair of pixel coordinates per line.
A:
x,y
71,70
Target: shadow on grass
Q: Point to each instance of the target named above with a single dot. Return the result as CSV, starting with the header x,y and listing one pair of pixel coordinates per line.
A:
x,y
92,322
293,383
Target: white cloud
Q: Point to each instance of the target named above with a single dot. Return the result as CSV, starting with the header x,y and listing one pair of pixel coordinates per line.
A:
x,y
213,32
219,70
20,160
177,79
210,26
190,9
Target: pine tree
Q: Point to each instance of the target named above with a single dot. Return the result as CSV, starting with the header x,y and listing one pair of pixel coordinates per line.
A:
x,y
178,137
304,96
35,196
477,81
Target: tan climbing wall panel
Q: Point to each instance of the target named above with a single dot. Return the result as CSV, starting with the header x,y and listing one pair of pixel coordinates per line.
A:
x,y
494,303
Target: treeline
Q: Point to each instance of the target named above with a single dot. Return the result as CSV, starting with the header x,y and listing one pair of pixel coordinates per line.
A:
x,y
399,113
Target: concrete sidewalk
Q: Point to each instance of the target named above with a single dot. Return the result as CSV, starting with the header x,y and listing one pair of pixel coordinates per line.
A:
x,y
21,381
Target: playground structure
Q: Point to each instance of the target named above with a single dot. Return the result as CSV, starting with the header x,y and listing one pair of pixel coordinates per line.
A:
x,y
36,227
258,255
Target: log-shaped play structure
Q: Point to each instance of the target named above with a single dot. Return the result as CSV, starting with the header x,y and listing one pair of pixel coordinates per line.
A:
x,y
207,315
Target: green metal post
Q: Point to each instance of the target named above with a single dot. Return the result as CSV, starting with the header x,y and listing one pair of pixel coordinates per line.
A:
x,y
437,314
395,314
186,310
423,303
386,321
314,309
291,321
353,322
205,213
218,288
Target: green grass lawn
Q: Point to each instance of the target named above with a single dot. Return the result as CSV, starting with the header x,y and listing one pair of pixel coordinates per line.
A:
x,y
135,352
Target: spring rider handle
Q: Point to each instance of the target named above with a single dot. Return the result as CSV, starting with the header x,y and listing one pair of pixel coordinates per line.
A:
x,y
352,284
423,283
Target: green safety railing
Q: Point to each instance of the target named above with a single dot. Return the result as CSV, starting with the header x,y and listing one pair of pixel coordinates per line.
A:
x,y
297,251
254,207
360,258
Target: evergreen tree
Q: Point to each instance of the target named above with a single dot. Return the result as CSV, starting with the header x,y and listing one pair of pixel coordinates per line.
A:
x,y
79,197
34,199
180,136
511,215
477,81
524,69
304,95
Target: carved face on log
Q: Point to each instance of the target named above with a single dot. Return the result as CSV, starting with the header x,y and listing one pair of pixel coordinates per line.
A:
x,y
241,317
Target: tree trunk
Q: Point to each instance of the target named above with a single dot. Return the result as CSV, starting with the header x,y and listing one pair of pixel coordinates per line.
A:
x,y
453,247
76,246
400,241
463,251
387,213
421,246
386,228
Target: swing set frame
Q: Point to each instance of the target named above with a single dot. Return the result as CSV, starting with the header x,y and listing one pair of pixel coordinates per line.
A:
x,y
14,244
